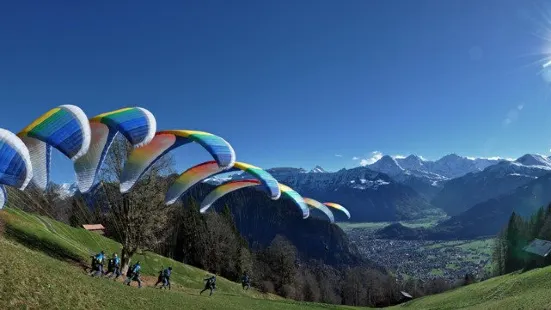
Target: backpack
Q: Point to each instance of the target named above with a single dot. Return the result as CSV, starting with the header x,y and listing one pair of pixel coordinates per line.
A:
x,y
129,272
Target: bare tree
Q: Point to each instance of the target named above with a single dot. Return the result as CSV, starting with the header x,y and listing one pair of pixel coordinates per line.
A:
x,y
139,220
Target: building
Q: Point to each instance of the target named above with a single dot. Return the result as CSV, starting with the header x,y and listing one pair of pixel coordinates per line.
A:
x,y
97,228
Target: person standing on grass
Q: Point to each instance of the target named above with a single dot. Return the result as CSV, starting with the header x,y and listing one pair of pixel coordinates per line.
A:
x,y
245,281
166,277
160,278
134,272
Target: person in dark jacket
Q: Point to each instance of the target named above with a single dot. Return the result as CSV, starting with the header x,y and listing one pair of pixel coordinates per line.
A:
x,y
97,264
210,284
246,281
114,267
133,274
160,277
166,278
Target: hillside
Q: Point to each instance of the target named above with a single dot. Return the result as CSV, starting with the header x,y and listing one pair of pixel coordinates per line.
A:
x,y
462,193
528,290
488,217
368,195
259,220
43,267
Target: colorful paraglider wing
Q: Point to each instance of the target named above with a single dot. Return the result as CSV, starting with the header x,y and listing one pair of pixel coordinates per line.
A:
x,y
225,189
3,196
164,141
15,163
66,128
338,207
189,178
299,201
320,206
137,125
269,183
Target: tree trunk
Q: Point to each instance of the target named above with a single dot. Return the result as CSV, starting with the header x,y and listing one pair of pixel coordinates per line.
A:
x,y
126,257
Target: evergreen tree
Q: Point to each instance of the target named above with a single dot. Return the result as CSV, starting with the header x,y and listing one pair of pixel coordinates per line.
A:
x,y
514,244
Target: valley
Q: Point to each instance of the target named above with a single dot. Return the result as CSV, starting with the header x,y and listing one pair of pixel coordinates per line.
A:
x,y
422,259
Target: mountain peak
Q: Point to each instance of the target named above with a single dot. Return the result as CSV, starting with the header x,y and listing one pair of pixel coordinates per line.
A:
x,y
414,157
318,169
452,156
534,160
412,162
388,165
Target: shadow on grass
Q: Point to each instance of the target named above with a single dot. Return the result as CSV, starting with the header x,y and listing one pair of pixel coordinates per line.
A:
x,y
46,246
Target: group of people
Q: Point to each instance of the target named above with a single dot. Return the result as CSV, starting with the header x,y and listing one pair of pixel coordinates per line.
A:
x,y
114,268
164,277
133,273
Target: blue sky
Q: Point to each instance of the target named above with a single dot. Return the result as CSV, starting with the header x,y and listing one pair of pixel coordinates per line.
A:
x,y
290,83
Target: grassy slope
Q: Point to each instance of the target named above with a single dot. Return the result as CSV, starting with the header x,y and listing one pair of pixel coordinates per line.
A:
x,y
32,276
31,279
530,290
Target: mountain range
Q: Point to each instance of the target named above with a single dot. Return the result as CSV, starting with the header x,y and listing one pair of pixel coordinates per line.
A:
x,y
405,188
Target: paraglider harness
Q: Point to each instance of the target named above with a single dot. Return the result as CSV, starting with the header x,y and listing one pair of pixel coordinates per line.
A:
x,y
96,263
211,282
111,265
131,274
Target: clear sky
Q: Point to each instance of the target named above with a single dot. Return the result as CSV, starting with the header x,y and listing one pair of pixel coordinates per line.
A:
x,y
286,82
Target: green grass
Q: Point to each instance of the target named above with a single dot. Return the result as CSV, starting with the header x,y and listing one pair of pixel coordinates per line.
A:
x,y
529,290
425,222
42,269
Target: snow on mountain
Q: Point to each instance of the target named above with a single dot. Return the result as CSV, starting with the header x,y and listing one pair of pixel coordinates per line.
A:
x,y
448,167
329,180
387,165
412,162
454,166
534,160
66,190
318,169
499,179
219,179
368,194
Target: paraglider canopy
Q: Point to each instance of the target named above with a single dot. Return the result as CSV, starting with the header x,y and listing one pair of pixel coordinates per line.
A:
x,y
164,141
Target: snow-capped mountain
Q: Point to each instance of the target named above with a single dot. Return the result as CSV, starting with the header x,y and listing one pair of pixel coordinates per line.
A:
x,y
412,162
387,165
318,169
454,166
535,160
464,192
369,194
218,179
428,177
448,167
66,190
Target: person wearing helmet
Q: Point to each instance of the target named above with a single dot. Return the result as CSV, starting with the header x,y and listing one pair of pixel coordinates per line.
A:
x,y
114,266
97,264
133,274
